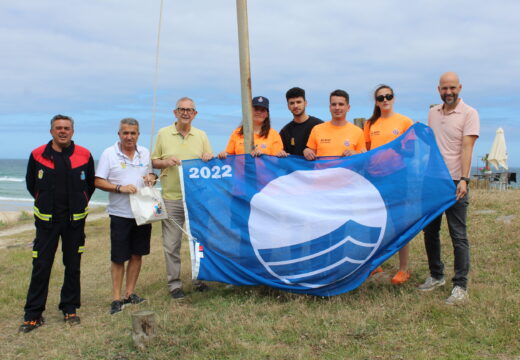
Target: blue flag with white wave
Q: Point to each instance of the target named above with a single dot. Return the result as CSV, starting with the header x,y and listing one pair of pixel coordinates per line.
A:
x,y
315,227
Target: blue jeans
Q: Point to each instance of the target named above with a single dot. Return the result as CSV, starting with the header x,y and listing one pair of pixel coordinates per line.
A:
x,y
456,216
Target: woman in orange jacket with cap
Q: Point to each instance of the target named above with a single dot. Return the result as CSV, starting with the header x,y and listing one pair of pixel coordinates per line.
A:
x,y
267,140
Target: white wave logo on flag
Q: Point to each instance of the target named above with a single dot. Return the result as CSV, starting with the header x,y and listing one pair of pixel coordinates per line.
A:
x,y
313,227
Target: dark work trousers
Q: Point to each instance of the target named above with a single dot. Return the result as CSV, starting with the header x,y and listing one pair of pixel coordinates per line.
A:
x,y
44,249
456,217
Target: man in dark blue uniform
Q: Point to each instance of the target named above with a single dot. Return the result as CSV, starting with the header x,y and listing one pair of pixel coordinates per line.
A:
x,y
60,177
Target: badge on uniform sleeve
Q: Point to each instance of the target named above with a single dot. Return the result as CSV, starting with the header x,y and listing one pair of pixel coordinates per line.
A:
x,y
40,174
82,175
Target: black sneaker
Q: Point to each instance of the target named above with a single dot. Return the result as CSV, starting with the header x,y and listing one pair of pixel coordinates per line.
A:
x,y
177,294
134,299
30,325
201,287
116,306
71,319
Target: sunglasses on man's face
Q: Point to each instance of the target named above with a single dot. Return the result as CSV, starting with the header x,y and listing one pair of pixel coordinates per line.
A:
x,y
382,98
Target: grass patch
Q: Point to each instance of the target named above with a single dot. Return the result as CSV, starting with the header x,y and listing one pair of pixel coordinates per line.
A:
x,y
376,321
25,215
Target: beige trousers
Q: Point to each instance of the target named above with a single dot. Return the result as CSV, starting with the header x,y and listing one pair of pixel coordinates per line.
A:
x,y
172,237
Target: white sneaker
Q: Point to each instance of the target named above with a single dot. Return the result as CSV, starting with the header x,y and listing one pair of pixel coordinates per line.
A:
x,y
431,283
458,296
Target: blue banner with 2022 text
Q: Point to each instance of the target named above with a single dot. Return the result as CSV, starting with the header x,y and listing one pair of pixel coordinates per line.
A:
x,y
316,227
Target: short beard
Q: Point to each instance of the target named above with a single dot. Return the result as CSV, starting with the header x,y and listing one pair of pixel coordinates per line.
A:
x,y
455,97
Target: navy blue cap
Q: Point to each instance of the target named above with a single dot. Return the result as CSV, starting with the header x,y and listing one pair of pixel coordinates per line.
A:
x,y
261,101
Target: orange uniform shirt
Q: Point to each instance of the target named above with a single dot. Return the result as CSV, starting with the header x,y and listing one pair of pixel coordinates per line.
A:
x,y
271,145
330,140
386,130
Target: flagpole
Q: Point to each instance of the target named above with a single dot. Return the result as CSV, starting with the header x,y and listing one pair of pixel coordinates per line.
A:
x,y
245,75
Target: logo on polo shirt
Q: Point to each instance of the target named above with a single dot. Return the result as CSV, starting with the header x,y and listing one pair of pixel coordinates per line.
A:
x,y
346,142
395,132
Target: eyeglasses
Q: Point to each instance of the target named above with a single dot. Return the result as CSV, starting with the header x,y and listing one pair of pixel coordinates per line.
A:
x,y
185,110
381,98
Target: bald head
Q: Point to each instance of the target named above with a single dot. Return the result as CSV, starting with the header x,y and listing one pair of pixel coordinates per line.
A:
x,y
449,89
449,76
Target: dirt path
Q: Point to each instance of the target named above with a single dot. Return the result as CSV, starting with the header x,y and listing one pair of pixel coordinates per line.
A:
x,y
9,238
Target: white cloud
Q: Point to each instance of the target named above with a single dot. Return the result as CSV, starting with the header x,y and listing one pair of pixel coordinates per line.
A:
x,y
96,59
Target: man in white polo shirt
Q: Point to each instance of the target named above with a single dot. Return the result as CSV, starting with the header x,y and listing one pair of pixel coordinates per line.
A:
x,y
456,127
122,169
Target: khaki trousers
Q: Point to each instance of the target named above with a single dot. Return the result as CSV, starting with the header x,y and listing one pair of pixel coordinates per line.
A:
x,y
172,237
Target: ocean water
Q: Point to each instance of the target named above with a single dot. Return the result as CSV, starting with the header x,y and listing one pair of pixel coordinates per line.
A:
x,y
15,197
13,192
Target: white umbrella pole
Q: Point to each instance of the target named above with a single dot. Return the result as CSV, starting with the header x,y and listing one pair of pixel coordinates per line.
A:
x,y
245,75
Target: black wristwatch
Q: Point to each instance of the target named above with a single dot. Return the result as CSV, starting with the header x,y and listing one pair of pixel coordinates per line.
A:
x,y
466,179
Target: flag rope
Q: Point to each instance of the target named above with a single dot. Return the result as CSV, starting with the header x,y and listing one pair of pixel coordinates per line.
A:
x,y
156,79
181,228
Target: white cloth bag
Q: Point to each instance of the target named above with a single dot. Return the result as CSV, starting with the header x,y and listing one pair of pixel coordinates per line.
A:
x,y
147,205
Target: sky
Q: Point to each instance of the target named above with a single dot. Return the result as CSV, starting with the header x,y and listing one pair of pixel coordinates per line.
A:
x,y
95,61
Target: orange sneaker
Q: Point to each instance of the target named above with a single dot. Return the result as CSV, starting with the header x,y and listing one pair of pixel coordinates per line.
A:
x,y
401,277
377,270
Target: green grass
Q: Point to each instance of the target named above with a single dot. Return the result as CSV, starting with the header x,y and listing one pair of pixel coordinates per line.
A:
x,y
376,321
25,217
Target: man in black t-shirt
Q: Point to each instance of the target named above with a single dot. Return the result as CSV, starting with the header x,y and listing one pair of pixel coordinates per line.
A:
x,y
296,133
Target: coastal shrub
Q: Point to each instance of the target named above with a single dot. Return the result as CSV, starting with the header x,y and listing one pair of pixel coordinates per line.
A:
x,y
25,215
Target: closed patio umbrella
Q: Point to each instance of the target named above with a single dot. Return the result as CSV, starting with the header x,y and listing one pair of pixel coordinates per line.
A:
x,y
498,154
